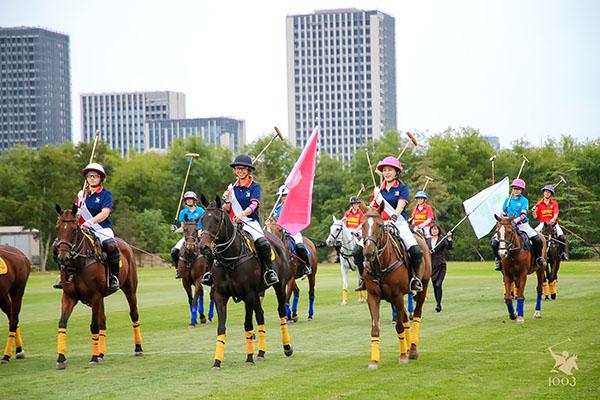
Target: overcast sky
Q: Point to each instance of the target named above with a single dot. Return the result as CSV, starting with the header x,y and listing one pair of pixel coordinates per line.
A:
x,y
510,68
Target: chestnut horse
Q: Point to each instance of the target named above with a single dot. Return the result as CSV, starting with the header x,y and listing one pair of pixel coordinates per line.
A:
x,y
237,273
14,271
191,267
88,284
387,277
517,263
553,265
297,271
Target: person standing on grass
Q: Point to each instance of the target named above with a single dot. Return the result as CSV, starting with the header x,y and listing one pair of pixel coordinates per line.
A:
x,y
438,261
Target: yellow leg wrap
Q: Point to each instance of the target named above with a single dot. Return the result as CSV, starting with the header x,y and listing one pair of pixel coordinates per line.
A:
x,y
375,349
102,341
62,341
95,344
406,326
8,350
137,335
546,288
513,289
262,338
285,336
416,326
220,348
18,338
249,342
361,294
554,287
403,343
344,294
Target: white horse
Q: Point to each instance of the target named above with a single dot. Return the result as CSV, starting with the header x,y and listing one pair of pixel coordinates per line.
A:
x,y
342,239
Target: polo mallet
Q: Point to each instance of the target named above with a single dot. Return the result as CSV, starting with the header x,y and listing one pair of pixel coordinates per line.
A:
x,y
85,183
428,179
362,189
562,180
187,174
412,140
370,167
277,135
492,159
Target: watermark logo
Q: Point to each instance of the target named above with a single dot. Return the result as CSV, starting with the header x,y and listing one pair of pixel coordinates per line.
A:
x,y
564,364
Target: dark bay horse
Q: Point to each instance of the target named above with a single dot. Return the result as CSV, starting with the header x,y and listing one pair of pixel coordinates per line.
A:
x,y
387,278
77,252
14,271
191,267
237,274
553,265
517,263
297,271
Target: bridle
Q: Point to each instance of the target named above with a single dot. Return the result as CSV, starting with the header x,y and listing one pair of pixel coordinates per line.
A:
x,y
372,238
339,244
509,241
74,248
218,249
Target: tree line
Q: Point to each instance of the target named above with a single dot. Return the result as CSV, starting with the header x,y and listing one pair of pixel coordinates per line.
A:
x,y
146,187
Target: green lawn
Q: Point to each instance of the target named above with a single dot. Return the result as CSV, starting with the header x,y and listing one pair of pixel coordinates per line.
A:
x,y
469,350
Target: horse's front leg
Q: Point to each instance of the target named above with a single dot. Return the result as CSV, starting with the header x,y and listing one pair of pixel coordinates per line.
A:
x,y
522,280
221,304
416,320
97,315
540,291
262,331
199,299
285,335
12,307
312,281
288,295
249,328
67,304
373,301
187,286
344,272
508,296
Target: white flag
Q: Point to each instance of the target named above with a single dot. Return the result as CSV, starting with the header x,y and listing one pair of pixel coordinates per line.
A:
x,y
482,207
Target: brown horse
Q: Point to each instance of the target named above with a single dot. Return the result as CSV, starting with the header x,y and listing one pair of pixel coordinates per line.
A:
x,y
552,241
387,277
191,267
517,263
88,284
237,274
297,271
14,271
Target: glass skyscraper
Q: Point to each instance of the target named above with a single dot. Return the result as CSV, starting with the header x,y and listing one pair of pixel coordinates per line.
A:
x,y
35,87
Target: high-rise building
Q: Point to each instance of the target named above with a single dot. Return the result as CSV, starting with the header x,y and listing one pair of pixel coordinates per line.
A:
x,y
35,87
120,117
227,132
341,69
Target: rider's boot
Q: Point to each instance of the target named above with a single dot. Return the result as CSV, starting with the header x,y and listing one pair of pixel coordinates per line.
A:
x,y
537,250
416,255
265,252
359,260
175,258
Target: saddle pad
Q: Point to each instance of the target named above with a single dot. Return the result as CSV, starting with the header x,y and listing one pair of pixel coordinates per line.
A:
x,y
3,267
292,244
526,242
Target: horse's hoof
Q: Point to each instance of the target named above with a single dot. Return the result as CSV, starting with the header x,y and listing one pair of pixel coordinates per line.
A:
x,y
61,365
553,296
20,355
93,363
310,318
410,316
202,319
288,350
373,365
260,356
210,320
4,360
413,355
513,316
295,318
546,297
403,358
190,326
520,320
537,314
217,365
344,302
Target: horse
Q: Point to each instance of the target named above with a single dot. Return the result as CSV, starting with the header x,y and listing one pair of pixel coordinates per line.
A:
x,y
14,271
553,265
192,266
341,238
237,274
387,277
297,271
517,263
82,261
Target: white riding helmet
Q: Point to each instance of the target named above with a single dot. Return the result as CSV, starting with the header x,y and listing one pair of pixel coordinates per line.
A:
x,y
94,167
283,190
190,195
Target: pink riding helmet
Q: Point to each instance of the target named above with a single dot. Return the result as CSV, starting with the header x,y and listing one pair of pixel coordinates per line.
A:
x,y
518,183
390,161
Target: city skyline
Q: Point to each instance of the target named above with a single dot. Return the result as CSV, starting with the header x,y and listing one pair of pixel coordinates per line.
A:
x,y
510,69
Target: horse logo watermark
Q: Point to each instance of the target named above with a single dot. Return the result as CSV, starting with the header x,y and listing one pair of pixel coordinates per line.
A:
x,y
564,363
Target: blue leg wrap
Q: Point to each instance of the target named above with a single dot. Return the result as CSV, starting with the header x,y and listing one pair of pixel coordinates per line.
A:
x,y
193,310
211,309
520,305
538,302
311,305
394,312
510,307
295,302
411,303
288,311
201,304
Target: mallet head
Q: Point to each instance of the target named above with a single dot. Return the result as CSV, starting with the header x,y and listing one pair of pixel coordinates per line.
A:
x,y
278,132
525,158
429,178
412,138
492,158
192,155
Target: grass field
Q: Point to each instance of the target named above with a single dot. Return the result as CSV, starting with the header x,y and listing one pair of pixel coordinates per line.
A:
x,y
469,350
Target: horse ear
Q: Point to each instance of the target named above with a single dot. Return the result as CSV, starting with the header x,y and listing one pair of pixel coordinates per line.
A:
x,y
334,219
497,217
203,200
58,209
218,201
185,218
74,208
381,207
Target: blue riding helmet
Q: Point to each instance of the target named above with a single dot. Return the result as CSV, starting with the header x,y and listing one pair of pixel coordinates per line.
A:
x,y
549,188
421,194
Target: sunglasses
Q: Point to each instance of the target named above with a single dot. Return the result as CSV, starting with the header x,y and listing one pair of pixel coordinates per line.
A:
x,y
92,176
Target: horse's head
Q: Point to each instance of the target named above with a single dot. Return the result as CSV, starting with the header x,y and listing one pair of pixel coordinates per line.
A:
x,y
272,226
335,233
67,232
215,222
190,234
374,233
549,229
506,232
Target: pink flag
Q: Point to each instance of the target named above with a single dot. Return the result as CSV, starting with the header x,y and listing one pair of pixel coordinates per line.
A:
x,y
296,211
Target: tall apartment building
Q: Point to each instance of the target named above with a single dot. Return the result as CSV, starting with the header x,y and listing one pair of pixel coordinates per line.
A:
x,y
121,117
341,75
227,132
35,87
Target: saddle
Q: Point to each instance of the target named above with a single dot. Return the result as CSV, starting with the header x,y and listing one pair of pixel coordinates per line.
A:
x,y
398,244
526,243
292,243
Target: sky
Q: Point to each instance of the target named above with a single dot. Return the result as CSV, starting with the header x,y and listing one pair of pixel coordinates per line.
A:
x,y
516,69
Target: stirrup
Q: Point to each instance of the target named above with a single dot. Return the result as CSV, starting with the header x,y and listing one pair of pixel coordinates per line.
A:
x,y
564,256
113,282
207,279
418,285
498,265
57,285
270,277
361,286
541,263
177,276
307,269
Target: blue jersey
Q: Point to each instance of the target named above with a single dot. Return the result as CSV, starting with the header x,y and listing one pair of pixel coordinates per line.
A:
x,y
196,214
98,200
518,206
246,194
399,191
